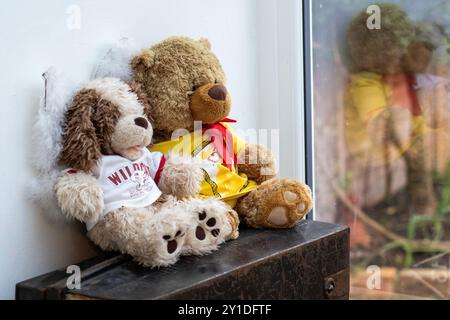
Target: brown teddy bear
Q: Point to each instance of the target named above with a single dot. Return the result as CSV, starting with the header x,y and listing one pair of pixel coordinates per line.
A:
x,y
185,84
128,196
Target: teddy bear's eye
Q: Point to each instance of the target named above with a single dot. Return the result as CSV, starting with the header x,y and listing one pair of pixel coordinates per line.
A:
x,y
196,86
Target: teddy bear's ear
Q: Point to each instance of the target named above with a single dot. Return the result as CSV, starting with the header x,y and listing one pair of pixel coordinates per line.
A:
x,y
205,42
145,59
142,97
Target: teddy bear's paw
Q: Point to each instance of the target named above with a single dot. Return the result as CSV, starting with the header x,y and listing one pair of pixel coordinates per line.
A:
x,y
277,203
79,196
213,222
257,162
233,219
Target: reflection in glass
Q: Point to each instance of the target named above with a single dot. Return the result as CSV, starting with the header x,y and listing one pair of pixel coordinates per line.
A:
x,y
382,138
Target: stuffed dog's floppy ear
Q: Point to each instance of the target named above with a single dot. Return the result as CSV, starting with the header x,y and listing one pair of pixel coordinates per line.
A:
x,y
81,149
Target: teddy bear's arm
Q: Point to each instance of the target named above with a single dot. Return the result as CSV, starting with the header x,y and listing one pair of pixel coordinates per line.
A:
x,y
79,196
257,162
181,176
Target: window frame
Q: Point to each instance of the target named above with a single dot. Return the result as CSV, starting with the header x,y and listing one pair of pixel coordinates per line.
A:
x,y
308,95
284,84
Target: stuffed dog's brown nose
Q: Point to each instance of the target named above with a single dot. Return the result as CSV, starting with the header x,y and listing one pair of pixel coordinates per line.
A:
x,y
218,92
141,122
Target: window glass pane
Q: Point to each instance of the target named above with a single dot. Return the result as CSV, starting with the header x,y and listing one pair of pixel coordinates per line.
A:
x,y
382,140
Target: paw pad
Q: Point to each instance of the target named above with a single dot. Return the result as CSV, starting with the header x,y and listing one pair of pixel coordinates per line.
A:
x,y
172,243
172,246
211,222
215,232
301,207
205,226
200,233
290,196
278,216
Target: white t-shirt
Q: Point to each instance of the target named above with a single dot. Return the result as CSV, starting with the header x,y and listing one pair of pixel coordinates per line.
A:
x,y
127,183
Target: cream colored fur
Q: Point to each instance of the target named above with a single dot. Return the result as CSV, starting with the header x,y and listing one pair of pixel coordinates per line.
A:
x,y
145,233
127,134
203,210
156,235
118,92
181,176
79,196
141,232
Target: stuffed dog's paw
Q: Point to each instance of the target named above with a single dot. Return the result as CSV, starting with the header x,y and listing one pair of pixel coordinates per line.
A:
x,y
182,176
79,196
211,224
166,236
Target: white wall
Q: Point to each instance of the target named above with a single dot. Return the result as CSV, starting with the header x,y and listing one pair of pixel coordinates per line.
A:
x,y
34,36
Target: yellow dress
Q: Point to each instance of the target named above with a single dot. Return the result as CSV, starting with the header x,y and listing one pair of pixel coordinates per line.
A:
x,y
367,97
224,182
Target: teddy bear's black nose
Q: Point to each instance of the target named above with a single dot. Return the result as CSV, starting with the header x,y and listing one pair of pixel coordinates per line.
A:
x,y
218,92
141,122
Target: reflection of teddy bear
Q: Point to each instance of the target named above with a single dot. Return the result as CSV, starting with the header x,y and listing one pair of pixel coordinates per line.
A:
x,y
185,83
432,87
385,121
115,183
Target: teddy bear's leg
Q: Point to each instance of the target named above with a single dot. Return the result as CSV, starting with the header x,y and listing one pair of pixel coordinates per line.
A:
x,y
154,238
212,223
276,203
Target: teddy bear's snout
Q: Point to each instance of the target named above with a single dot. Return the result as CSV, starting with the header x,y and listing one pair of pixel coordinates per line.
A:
x,y
141,122
218,92
210,103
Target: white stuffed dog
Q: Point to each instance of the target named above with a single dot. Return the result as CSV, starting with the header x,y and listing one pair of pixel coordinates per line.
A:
x,y
133,200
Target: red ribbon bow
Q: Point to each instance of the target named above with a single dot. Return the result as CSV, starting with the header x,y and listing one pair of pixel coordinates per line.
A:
x,y
222,139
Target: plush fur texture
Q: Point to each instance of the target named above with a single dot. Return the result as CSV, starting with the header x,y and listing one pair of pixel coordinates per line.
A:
x,y
47,130
47,142
166,74
209,227
80,196
257,162
115,63
210,103
184,81
107,117
82,148
153,236
277,203
101,121
181,176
